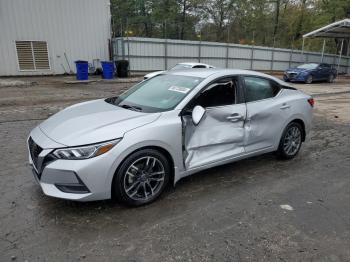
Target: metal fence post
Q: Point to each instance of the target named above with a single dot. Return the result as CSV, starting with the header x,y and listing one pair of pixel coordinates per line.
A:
x,y
272,58
127,38
227,50
166,54
123,48
340,54
324,43
199,50
251,58
290,58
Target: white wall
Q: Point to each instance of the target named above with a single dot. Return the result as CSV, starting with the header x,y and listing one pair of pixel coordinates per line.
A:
x,y
79,28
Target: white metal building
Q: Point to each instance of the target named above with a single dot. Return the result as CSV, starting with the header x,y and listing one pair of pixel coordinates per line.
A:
x,y
46,36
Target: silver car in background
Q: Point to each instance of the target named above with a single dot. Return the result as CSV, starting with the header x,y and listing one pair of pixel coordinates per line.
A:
x,y
163,129
180,66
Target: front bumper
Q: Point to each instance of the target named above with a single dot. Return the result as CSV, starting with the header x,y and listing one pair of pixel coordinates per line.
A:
x,y
294,77
81,180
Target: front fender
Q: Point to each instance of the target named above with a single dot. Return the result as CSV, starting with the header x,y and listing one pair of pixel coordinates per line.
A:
x,y
165,133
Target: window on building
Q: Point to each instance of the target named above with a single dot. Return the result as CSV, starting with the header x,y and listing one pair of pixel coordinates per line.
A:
x,y
32,55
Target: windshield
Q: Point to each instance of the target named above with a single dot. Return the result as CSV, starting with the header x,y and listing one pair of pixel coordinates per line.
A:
x,y
158,94
308,66
181,66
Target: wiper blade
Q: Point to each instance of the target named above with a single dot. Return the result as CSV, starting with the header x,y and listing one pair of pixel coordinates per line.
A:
x,y
135,108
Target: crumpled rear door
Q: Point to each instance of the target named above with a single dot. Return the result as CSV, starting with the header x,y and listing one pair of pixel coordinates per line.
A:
x,y
219,136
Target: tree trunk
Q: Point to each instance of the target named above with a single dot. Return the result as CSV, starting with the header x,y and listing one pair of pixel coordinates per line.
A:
x,y
301,20
277,15
183,20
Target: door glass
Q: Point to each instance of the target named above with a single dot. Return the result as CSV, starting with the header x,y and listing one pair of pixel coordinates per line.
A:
x,y
219,93
257,88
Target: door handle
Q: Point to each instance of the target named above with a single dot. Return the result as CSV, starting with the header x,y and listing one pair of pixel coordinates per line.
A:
x,y
285,106
235,118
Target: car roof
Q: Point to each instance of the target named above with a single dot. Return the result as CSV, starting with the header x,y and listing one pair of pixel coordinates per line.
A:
x,y
192,63
217,72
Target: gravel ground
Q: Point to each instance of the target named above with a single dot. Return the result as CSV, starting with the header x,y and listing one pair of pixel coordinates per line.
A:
x,y
259,209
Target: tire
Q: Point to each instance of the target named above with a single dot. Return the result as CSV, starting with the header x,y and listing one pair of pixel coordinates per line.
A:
x,y
330,78
292,133
309,79
141,178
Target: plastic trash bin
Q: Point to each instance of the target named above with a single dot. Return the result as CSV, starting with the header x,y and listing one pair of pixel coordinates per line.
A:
x,y
107,69
123,68
82,70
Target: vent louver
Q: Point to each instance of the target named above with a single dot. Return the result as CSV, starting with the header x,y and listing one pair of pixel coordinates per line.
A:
x,y
32,55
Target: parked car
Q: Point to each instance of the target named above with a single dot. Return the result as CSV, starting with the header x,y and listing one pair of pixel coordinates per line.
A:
x,y
309,73
163,129
180,66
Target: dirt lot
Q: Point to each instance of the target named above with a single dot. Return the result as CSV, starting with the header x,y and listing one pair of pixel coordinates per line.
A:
x,y
228,213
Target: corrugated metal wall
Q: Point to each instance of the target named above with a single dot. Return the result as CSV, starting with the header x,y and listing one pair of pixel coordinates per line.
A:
x,y
79,28
150,54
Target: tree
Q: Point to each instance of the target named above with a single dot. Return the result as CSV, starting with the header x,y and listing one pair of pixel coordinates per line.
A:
x,y
218,12
260,22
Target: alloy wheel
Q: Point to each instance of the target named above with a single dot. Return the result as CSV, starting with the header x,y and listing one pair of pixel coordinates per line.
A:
x,y
309,79
292,141
144,178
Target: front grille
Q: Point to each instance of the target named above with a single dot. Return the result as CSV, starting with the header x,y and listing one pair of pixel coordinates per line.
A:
x,y
292,75
35,151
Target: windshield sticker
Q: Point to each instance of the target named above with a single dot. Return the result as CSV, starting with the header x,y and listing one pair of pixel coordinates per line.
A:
x,y
179,89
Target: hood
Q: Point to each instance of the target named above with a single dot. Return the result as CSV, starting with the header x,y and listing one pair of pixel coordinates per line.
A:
x,y
297,70
92,122
153,74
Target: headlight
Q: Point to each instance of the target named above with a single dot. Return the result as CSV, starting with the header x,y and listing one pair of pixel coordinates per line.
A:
x,y
84,152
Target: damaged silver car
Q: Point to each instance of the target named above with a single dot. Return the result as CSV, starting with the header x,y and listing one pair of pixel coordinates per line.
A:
x,y
163,129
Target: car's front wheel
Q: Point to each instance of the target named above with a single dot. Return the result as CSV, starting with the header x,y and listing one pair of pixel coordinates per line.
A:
x,y
309,79
141,178
291,141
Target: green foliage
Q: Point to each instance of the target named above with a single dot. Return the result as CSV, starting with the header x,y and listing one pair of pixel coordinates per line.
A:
x,y
279,23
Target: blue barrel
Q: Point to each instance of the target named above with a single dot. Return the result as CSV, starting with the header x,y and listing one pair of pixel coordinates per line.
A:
x,y
82,70
107,69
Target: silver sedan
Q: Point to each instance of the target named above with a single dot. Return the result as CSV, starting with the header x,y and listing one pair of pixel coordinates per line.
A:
x,y
165,128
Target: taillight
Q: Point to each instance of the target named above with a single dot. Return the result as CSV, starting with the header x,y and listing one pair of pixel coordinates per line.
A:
x,y
311,102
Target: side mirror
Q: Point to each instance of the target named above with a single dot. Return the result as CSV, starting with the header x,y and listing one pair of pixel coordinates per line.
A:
x,y
197,114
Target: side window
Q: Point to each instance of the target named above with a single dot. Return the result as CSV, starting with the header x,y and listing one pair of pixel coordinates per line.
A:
x,y
199,66
257,88
219,93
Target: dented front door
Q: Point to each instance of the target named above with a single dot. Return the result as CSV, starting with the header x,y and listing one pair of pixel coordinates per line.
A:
x,y
219,136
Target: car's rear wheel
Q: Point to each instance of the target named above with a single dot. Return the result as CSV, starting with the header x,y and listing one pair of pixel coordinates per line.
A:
x,y
309,79
141,178
331,78
291,141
